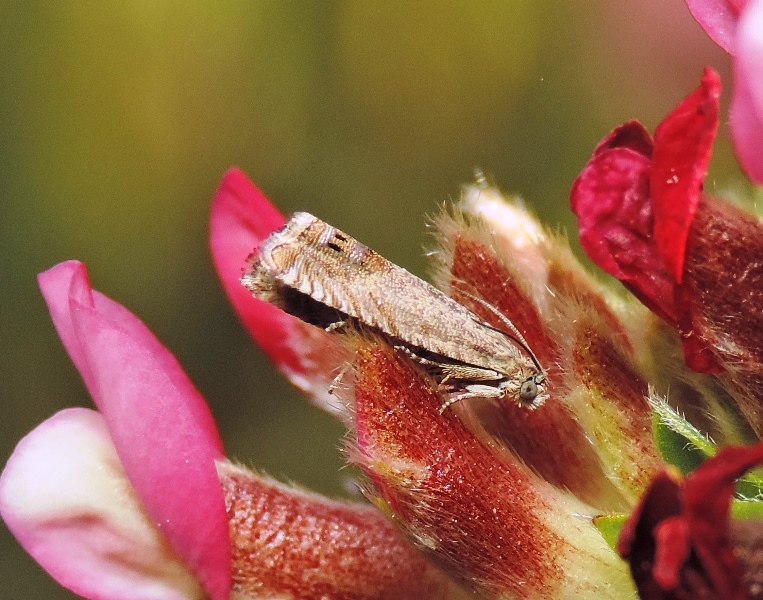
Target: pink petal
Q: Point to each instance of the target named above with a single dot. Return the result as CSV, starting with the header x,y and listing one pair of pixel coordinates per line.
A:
x,y
241,218
747,103
718,18
683,144
162,429
66,498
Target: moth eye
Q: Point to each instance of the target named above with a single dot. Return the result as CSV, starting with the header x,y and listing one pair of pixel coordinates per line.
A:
x,y
528,390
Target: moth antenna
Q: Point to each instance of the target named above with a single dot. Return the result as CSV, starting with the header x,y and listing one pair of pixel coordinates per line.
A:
x,y
515,334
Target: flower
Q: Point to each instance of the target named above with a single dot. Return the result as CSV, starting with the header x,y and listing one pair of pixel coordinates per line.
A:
x,y
66,495
679,539
136,500
737,26
695,262
644,219
636,199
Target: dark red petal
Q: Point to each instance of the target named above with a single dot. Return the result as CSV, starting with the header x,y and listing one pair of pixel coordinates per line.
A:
x,y
637,543
682,149
611,198
631,135
707,497
661,501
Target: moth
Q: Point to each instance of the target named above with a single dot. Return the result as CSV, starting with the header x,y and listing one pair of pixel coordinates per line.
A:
x,y
325,277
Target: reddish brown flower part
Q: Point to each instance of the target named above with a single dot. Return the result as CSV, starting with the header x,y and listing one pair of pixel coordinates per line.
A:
x,y
677,541
290,543
484,516
636,198
593,434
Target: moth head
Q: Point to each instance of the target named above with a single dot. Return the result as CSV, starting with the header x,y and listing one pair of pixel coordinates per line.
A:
x,y
532,390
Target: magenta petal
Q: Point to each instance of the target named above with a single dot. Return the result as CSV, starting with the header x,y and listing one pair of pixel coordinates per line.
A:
x,y
611,200
747,103
161,426
241,218
718,18
683,143
54,285
66,498
604,197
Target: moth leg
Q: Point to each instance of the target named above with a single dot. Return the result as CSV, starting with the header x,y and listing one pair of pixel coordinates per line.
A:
x,y
335,326
457,371
419,359
472,391
337,381
463,372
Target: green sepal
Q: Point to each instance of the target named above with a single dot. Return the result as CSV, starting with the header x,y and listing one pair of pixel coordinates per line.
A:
x,y
750,488
747,510
609,527
679,442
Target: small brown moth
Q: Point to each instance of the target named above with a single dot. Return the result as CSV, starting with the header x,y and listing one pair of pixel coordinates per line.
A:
x,y
324,277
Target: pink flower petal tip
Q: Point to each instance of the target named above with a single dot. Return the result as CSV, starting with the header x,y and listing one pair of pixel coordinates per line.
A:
x,y
747,102
241,218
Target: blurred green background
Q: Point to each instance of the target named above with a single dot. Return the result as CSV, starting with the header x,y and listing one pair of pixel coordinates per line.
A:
x,y
117,120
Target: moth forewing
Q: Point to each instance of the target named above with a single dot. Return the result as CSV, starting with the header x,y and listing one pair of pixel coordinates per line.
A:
x,y
318,273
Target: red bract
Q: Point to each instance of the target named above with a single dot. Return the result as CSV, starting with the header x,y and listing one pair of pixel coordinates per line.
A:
x,y
678,542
